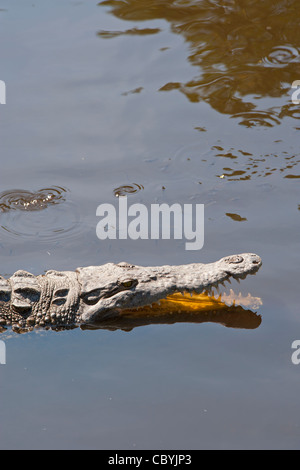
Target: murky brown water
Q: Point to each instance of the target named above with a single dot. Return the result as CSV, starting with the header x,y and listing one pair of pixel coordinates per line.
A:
x,y
175,102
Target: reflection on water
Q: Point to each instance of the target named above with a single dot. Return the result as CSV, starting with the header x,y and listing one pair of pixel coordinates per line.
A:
x,y
234,163
258,166
132,92
226,310
132,31
236,217
46,214
229,309
230,317
244,51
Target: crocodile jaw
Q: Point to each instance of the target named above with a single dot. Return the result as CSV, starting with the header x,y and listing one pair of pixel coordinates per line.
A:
x,y
152,284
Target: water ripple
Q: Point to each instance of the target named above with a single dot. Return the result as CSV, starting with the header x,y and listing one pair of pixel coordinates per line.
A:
x,y
19,199
257,118
128,189
280,56
44,215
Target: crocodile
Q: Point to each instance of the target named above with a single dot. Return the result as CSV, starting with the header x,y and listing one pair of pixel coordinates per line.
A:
x,y
94,294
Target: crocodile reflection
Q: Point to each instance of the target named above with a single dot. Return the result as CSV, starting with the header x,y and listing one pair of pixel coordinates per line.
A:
x,y
201,308
245,50
227,310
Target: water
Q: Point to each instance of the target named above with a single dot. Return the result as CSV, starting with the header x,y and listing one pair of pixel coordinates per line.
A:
x,y
175,101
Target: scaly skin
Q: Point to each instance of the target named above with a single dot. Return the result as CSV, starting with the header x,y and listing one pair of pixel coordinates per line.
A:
x,y
97,293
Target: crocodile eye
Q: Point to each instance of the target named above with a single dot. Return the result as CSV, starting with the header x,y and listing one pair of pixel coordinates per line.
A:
x,y
128,284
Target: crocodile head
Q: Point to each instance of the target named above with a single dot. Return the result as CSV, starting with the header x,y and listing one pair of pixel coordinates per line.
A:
x,y
106,291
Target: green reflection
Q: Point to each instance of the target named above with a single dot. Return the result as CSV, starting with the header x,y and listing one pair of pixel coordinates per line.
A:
x,y
244,50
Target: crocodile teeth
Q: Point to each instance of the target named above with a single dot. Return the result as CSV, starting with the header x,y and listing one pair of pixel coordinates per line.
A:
x,y
248,301
198,291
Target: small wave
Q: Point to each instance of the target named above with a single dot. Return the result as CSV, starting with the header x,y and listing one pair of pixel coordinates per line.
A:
x,y
23,200
257,118
42,215
128,189
281,56
290,110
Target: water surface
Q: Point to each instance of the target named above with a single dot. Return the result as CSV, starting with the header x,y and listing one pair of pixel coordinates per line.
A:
x,y
176,102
